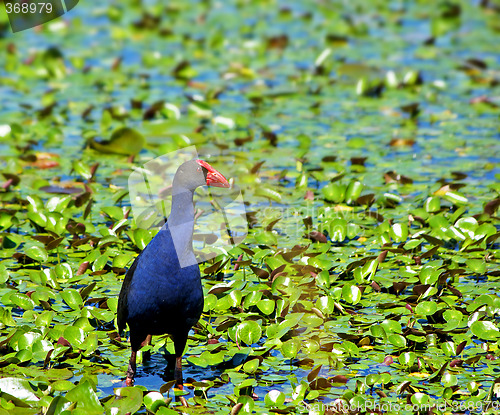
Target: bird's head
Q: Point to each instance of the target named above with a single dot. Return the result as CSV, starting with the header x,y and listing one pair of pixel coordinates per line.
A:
x,y
195,173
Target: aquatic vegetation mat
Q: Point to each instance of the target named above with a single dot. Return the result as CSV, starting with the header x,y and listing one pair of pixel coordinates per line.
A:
x,y
364,137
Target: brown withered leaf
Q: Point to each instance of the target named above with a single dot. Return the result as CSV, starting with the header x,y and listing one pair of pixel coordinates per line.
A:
x,y
436,377
261,273
248,251
420,289
430,252
432,240
256,167
491,207
412,109
401,142
212,268
320,383
14,178
147,21
393,177
454,291
478,63
242,140
461,347
472,360
251,218
399,286
360,161
367,199
75,228
336,39
177,71
230,322
277,42
316,236
313,373
47,110
136,104
44,239
308,222
270,226
381,257
447,187
81,199
236,408
271,137
85,291
63,342
375,215
338,379
458,175
296,250
151,112
54,243
242,263
278,270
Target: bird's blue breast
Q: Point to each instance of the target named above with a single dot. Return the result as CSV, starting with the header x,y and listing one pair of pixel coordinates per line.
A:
x,y
163,291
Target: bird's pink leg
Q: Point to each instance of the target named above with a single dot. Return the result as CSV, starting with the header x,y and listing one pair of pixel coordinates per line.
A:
x,y
131,369
178,372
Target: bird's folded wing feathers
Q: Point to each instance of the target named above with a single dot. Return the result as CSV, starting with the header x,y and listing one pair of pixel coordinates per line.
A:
x,y
122,311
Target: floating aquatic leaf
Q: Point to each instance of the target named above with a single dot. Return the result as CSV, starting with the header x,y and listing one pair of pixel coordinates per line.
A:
x,y
37,253
153,401
485,330
274,398
19,388
426,308
249,332
123,141
351,293
72,298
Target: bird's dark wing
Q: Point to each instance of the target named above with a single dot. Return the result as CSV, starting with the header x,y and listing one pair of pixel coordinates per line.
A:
x,y
122,310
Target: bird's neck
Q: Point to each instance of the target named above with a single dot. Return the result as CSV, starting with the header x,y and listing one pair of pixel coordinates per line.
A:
x,y
182,210
181,223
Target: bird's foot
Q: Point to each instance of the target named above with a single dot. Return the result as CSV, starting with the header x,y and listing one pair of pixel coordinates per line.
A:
x,y
131,371
178,379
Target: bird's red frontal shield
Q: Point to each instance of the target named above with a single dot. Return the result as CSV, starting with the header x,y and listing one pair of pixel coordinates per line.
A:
x,y
214,177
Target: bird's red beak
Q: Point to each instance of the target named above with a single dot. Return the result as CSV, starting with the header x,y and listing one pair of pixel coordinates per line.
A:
x,y
214,178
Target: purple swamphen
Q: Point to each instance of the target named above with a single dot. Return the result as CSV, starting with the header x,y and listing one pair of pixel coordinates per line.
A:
x,y
162,292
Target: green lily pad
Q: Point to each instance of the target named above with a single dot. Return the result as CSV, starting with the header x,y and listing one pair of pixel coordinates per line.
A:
x,y
485,330
124,141
249,332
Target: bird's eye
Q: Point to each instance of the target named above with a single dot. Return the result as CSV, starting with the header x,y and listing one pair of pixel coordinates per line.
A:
x,y
199,168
